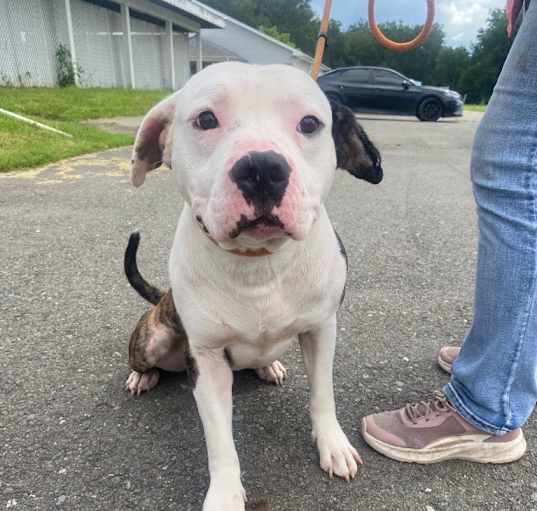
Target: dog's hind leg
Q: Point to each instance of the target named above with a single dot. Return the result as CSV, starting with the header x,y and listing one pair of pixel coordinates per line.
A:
x,y
158,342
274,373
142,382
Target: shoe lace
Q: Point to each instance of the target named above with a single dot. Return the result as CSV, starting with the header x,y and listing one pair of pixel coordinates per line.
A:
x,y
436,406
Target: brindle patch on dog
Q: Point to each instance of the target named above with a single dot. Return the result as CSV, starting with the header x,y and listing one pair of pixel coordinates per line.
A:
x,y
158,334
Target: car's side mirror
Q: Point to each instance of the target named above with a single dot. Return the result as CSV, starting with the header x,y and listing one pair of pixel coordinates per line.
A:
x,y
406,85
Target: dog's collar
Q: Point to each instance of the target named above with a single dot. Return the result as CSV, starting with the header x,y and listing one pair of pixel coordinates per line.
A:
x,y
262,252
251,253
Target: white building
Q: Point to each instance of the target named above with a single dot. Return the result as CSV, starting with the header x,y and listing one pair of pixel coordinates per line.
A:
x,y
238,41
150,44
139,43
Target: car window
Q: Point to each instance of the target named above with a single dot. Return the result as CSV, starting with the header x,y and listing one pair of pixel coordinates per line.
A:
x,y
387,77
333,75
356,75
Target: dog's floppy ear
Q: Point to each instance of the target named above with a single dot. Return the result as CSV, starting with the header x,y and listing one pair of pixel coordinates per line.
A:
x,y
355,152
152,147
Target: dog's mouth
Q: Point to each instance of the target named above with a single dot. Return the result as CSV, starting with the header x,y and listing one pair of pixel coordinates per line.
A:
x,y
266,226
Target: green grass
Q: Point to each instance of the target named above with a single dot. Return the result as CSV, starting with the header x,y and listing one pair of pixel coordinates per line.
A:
x,y
74,104
24,146
475,108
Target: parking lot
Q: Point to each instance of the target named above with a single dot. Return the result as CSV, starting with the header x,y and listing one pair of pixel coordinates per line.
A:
x,y
72,438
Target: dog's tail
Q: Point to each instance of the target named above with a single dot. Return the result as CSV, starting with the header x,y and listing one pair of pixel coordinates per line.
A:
x,y
151,293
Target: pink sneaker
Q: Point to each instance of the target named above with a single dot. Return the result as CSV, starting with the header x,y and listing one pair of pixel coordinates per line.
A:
x,y
432,431
446,357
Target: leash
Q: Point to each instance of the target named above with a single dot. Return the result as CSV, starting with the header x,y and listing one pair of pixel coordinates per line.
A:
x,y
409,45
322,39
377,34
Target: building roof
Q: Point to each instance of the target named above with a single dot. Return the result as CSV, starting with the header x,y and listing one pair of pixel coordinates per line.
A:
x,y
212,52
198,12
296,53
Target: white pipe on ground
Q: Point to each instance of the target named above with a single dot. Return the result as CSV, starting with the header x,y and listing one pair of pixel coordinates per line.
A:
x,y
34,123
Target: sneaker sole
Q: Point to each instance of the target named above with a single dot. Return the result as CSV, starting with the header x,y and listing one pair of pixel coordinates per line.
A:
x,y
446,366
478,452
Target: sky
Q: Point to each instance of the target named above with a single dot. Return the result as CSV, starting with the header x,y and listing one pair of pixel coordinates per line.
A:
x,y
461,19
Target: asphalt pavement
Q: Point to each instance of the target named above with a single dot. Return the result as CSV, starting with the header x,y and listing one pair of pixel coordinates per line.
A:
x,y
71,438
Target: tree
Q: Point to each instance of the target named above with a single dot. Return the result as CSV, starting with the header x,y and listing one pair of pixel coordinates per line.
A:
x,y
276,34
293,17
335,51
450,66
488,57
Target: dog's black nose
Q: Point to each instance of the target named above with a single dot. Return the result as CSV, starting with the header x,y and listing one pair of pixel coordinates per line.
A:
x,y
262,177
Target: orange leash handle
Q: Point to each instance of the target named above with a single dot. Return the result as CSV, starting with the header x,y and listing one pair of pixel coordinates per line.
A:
x,y
401,47
377,33
321,41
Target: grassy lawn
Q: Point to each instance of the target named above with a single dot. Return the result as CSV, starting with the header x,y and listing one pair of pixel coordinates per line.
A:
x,y
475,108
23,146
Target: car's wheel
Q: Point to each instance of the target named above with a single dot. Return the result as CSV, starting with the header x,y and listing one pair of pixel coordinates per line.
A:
x,y
334,98
430,110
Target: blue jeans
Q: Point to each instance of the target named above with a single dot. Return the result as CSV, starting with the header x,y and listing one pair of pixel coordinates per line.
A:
x,y
494,381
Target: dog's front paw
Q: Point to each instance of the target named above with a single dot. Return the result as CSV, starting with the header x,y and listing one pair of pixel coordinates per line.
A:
x,y
223,496
337,455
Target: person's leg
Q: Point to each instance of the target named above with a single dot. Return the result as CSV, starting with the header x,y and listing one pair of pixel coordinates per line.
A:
x,y
494,381
493,389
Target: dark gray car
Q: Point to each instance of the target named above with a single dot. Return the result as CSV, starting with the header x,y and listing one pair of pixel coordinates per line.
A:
x,y
382,90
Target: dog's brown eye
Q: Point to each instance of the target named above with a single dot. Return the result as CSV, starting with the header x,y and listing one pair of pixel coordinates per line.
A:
x,y
207,121
309,125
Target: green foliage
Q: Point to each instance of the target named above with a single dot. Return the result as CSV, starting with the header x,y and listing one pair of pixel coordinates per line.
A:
x,y
450,66
75,104
488,56
22,145
276,34
335,55
66,71
474,108
293,17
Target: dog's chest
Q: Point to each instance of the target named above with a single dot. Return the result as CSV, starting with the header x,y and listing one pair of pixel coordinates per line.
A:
x,y
272,313
236,312
260,329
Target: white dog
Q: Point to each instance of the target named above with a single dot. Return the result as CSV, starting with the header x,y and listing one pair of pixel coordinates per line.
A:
x,y
256,263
